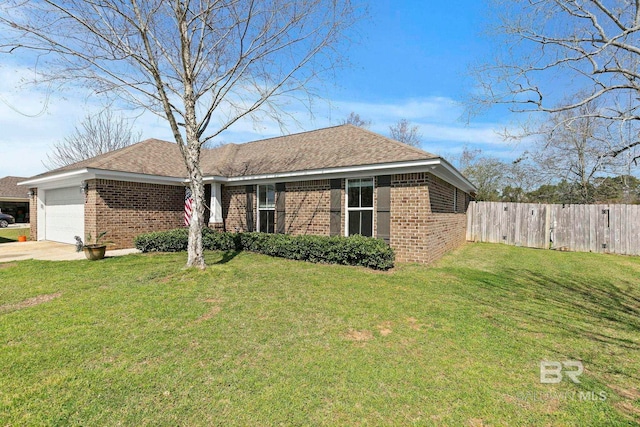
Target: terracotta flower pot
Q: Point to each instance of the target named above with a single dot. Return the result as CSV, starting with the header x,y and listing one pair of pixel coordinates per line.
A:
x,y
22,238
94,252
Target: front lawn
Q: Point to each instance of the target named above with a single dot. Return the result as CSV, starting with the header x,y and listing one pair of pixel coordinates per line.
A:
x,y
11,234
254,340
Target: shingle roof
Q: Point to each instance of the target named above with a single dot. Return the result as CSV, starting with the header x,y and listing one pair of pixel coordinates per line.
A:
x,y
338,146
151,156
333,147
9,187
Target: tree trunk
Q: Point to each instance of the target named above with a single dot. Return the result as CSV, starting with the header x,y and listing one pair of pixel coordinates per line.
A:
x,y
195,257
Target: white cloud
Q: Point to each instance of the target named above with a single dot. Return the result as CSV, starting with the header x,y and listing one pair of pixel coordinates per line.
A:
x,y
27,132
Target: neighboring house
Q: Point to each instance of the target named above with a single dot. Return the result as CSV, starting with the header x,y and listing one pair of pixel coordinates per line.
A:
x,y
336,181
14,199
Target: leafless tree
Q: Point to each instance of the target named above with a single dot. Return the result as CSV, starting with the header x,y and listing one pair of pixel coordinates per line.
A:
x,y
581,51
354,119
497,179
404,132
96,134
201,65
574,147
486,172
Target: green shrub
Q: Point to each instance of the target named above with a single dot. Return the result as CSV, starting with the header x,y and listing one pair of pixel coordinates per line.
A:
x,y
217,241
163,241
354,250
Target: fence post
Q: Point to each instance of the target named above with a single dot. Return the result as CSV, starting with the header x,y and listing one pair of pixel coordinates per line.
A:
x,y
547,226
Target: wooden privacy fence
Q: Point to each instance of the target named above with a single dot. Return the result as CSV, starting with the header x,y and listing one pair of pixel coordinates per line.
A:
x,y
581,228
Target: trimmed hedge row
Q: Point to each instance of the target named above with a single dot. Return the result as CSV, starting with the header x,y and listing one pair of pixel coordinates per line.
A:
x,y
355,250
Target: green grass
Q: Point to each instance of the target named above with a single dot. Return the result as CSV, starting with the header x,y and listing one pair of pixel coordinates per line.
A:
x,y
253,340
11,234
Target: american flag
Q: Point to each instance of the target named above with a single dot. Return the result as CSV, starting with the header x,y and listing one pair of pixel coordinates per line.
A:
x,y
188,203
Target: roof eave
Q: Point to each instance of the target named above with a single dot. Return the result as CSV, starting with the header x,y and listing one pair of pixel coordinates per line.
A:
x,y
14,199
93,173
437,166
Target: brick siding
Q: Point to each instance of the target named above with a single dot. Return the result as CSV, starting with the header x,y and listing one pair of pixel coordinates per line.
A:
x,y
308,207
33,215
423,223
127,209
234,208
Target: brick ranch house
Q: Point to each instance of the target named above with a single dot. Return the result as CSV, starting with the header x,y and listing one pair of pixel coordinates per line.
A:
x,y
336,181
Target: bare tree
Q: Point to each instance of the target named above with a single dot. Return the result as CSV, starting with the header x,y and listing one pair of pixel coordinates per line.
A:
x,y
201,65
406,133
354,119
487,173
574,149
96,134
584,50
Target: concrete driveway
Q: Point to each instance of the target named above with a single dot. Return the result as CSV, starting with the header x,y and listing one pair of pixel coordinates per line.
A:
x,y
48,251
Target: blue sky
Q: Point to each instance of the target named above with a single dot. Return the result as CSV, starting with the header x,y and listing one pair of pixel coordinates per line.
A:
x,y
410,61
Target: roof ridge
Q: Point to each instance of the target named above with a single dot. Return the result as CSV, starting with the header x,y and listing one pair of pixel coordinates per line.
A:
x,y
402,144
290,135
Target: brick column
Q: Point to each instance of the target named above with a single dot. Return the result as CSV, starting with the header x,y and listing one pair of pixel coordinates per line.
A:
x,y
33,214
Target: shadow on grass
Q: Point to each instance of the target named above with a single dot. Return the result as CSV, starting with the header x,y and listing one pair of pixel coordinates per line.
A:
x,y
227,256
6,240
567,303
572,307
595,320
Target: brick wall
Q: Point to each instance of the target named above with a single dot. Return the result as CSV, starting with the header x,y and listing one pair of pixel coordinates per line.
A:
x,y
234,208
33,214
126,209
423,224
308,207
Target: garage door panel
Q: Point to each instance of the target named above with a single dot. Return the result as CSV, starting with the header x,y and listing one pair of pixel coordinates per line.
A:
x,y
64,210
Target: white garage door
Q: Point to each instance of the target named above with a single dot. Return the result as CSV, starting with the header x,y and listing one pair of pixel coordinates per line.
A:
x,y
64,214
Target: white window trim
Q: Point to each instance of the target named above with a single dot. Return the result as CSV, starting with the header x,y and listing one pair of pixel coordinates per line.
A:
x,y
347,208
258,208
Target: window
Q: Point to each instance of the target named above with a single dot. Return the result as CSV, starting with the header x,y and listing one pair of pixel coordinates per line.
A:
x,y
359,207
266,208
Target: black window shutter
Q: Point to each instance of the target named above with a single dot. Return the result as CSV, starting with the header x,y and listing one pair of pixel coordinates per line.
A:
x,y
250,204
336,199
280,208
383,208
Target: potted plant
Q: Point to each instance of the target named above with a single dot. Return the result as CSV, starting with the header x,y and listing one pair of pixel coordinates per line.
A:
x,y
22,237
93,251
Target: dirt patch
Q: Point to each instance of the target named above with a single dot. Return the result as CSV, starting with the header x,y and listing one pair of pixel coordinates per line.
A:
x,y
209,314
40,299
627,393
7,265
413,323
476,422
359,336
385,328
629,410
